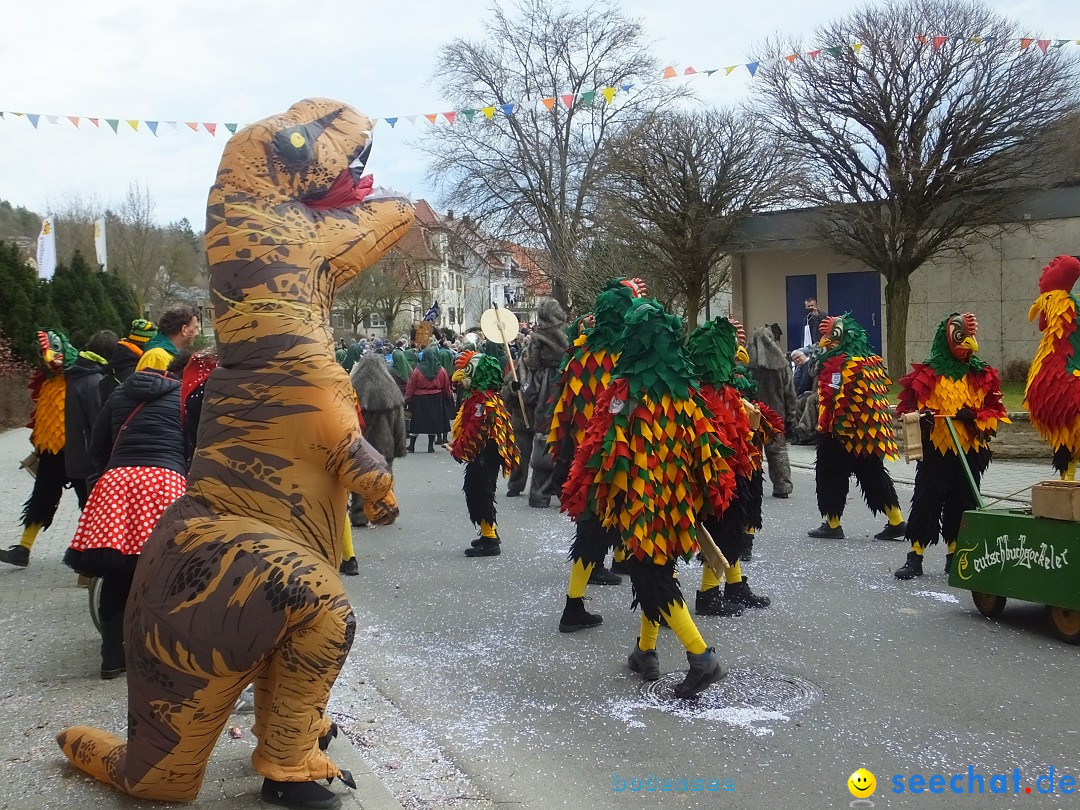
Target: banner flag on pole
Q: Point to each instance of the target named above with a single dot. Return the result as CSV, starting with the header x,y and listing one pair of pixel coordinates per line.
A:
x,y
46,248
99,243
433,313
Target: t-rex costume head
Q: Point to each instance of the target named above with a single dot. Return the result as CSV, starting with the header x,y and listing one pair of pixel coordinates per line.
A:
x,y
239,581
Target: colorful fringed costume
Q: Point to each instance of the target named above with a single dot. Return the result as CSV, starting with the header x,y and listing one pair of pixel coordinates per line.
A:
x,y
1053,383
483,440
952,382
856,429
652,465
713,350
586,373
48,390
239,581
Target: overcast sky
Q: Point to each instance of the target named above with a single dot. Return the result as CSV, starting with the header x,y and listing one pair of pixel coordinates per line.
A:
x,y
229,61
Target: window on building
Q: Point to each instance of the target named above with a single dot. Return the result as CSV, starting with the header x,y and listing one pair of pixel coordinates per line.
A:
x,y
375,320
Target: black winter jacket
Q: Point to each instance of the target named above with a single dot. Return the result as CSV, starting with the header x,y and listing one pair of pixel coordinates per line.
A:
x,y
82,403
153,438
121,366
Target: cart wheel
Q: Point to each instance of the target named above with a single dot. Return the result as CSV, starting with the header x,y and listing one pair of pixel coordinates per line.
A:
x,y
94,593
988,604
1065,623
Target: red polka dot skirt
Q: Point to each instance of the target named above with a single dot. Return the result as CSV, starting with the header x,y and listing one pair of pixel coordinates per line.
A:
x,y
124,508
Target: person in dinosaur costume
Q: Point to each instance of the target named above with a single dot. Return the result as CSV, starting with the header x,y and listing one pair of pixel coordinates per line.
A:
x,y
652,465
856,428
713,350
952,382
1053,384
239,581
586,372
48,390
482,440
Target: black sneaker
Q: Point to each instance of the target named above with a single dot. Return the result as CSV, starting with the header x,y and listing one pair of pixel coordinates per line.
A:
x,y
480,540
484,547
350,567
911,568
645,663
512,493
948,564
575,617
621,567
826,531
740,594
304,795
602,576
713,603
705,670
16,555
892,532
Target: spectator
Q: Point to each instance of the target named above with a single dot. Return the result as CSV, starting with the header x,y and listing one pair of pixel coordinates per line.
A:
x,y
814,317
802,378
770,367
429,400
177,329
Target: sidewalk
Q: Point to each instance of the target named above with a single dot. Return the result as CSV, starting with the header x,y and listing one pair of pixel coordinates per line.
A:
x,y
49,662
1005,479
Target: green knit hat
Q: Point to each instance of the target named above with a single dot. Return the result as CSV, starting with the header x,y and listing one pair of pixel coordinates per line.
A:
x,y
141,330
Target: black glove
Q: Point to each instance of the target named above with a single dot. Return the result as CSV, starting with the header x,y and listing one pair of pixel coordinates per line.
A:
x,y
926,416
965,415
515,386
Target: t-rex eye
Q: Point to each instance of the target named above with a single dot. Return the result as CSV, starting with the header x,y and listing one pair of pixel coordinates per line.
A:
x,y
297,140
295,146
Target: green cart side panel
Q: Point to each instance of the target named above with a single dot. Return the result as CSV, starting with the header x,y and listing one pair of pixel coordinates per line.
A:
x,y
1012,554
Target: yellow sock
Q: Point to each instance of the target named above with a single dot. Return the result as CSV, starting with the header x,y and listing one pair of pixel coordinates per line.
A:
x,y
649,632
709,579
487,530
895,516
347,552
951,548
917,547
734,573
579,578
679,620
833,521
752,531
29,535
1070,472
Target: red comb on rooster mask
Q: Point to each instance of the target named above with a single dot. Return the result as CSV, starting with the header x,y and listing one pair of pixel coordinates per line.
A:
x,y
960,332
1060,274
463,359
740,332
832,331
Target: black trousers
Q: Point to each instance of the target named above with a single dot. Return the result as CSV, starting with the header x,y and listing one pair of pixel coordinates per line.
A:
x,y
481,476
833,470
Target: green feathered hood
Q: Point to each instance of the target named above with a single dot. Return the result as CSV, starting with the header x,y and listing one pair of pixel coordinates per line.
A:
x,y
943,361
609,311
487,375
711,349
853,342
653,361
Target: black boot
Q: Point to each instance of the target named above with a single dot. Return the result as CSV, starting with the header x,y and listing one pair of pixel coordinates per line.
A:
x,y
479,541
705,670
621,566
575,617
713,603
16,555
740,593
350,567
603,576
484,547
645,663
892,532
826,531
747,553
911,568
412,444
948,564
303,795
431,443
112,647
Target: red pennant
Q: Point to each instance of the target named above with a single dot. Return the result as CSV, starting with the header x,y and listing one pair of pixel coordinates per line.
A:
x,y
939,41
193,124
567,100
814,54
1043,44
450,116
94,121
211,128
689,71
1025,43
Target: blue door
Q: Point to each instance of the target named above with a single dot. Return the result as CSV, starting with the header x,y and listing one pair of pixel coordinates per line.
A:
x,y
799,288
859,294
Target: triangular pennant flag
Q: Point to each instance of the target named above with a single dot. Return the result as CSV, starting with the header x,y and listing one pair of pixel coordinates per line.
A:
x,y
939,41
411,119
857,47
2,114
1058,43
567,100
231,128
834,51
587,97
689,72
669,73
19,114
959,37
74,119
172,124
609,94
549,103
626,88
729,70
489,112
94,121
1043,44
976,39
33,118
1025,43
432,117
391,121
791,58
450,117
53,119
211,128
113,122
814,54
508,109
752,67
468,115
921,39
133,123
711,72
153,127
193,124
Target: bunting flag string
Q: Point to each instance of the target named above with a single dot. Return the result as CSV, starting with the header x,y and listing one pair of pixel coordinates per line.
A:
x,y
586,98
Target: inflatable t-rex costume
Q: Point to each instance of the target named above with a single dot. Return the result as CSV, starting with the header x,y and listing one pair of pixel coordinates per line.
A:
x,y
239,581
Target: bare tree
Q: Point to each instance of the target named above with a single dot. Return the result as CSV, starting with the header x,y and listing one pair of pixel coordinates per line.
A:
x,y
136,247
677,187
919,140
531,176
385,289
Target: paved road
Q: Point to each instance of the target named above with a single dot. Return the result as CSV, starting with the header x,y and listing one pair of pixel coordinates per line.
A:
x,y
911,679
